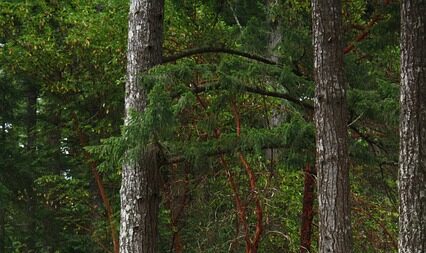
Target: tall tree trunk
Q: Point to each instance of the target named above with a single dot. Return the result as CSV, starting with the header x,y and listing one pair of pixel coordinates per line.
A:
x,y
140,187
412,167
331,128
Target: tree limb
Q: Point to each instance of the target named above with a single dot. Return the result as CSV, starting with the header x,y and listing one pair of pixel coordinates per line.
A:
x,y
204,50
259,91
216,152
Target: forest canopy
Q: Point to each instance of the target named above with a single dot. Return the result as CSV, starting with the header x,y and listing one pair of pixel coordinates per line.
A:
x,y
227,119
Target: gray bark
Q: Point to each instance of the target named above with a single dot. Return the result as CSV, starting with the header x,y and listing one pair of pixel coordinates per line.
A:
x,y
139,192
412,167
274,39
275,34
331,128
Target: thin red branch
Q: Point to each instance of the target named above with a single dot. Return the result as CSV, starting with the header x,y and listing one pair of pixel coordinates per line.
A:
x,y
252,180
241,210
360,37
362,210
175,215
308,210
239,206
98,179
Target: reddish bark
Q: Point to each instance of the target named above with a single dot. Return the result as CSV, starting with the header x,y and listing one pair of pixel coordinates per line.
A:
x,y
308,210
252,244
366,30
241,209
239,206
252,179
98,179
363,34
177,209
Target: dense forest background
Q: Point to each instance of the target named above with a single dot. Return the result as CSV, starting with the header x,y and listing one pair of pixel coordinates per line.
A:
x,y
62,75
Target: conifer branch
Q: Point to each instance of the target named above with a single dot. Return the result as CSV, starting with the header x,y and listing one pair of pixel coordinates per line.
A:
x,y
263,92
223,50
180,158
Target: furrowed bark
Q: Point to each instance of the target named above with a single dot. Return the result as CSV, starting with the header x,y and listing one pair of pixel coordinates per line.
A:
x,y
140,187
412,164
331,128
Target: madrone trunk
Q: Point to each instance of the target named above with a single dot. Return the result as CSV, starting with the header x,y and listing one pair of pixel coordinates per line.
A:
x,y
140,187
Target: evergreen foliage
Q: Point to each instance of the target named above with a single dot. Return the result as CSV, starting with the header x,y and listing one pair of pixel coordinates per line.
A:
x,y
73,53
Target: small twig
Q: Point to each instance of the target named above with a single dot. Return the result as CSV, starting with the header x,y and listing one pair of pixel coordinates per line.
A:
x,y
356,119
235,16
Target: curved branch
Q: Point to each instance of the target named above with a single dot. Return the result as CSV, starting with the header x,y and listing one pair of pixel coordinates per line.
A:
x,y
259,91
205,50
98,179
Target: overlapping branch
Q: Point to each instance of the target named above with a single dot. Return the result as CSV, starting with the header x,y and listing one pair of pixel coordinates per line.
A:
x,y
205,50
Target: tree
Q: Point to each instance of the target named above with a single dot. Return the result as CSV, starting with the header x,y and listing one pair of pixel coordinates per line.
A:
x,y
206,100
140,193
50,200
412,159
331,130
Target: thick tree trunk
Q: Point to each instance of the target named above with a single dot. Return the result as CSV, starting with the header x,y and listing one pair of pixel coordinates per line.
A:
x,y
140,188
412,168
331,128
